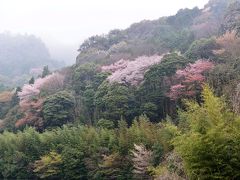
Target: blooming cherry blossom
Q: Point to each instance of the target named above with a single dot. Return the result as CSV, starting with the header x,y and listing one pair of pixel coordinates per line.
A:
x,y
189,79
31,102
131,72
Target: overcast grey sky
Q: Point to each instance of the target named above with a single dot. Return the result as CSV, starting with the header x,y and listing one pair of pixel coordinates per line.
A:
x,y
64,24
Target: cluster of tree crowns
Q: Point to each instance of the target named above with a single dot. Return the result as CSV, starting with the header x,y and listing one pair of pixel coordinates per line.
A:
x,y
113,74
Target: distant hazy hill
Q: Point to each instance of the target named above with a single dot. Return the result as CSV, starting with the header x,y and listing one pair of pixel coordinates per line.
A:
x,y
20,53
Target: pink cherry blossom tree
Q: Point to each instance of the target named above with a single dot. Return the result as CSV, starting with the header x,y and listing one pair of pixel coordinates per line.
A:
x,y
49,83
31,102
131,72
190,79
52,83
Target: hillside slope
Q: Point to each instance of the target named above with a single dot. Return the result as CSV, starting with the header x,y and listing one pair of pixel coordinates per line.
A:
x,y
155,37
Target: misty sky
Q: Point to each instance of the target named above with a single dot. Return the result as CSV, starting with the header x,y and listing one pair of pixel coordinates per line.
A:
x,y
64,24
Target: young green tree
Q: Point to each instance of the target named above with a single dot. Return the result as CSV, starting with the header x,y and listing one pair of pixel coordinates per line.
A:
x,y
31,81
45,71
209,143
49,166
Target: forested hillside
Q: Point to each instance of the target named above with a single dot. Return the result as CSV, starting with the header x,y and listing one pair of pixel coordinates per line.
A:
x,y
22,56
159,100
156,37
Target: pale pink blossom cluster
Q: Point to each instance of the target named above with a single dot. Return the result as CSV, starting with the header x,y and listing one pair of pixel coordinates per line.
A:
x,y
54,81
176,91
194,70
189,79
28,91
30,101
131,72
119,65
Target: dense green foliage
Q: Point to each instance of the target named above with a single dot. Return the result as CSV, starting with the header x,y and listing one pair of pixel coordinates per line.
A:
x,y
202,49
115,102
58,109
207,140
209,143
76,152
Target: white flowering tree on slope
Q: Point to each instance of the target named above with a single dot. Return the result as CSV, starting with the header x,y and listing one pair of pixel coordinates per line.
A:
x,y
131,72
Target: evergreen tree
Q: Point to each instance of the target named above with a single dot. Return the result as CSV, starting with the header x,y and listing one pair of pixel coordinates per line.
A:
x,y
58,109
45,71
31,81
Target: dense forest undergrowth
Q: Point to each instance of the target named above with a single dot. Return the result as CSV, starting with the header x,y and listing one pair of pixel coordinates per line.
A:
x,y
159,100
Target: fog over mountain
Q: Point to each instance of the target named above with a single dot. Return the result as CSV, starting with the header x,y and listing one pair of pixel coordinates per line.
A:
x,y
63,25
